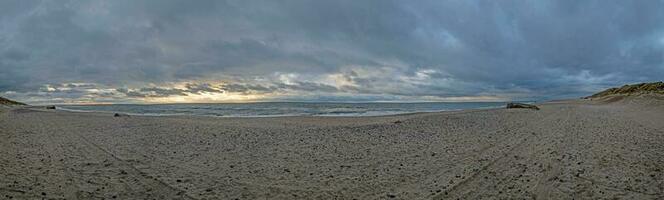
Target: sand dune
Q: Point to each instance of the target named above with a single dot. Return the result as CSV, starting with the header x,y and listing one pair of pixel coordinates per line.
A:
x,y
583,149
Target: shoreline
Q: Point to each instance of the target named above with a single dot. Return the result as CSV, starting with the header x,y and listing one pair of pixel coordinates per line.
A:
x,y
274,116
351,115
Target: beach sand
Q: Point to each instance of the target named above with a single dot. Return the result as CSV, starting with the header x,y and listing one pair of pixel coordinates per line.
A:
x,y
578,149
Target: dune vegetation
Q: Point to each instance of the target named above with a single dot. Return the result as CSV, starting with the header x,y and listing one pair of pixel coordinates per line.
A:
x,y
4,101
640,88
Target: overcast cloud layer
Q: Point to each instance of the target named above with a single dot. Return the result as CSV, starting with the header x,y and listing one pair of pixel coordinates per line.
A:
x,y
207,51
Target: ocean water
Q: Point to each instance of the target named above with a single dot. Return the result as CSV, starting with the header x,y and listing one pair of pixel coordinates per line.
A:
x,y
282,108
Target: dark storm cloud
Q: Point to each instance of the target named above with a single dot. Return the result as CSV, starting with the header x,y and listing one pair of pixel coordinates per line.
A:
x,y
247,88
308,86
520,49
131,93
250,88
202,87
163,92
152,92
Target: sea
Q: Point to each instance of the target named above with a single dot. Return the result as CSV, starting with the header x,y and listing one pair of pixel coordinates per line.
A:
x,y
274,109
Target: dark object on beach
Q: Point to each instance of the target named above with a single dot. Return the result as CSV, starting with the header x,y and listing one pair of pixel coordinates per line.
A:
x,y
120,115
50,107
521,105
397,122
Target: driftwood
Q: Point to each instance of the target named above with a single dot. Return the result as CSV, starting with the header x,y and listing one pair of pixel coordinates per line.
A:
x,y
521,105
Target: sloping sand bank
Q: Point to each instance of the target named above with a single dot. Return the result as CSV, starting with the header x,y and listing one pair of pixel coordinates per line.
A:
x,y
573,149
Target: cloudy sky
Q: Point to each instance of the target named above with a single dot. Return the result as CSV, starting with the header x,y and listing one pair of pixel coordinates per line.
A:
x,y
156,51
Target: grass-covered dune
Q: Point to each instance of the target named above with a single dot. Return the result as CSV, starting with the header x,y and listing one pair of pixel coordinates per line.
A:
x,y
7,102
640,88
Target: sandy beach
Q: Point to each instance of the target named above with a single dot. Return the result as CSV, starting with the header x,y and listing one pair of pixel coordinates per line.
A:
x,y
577,149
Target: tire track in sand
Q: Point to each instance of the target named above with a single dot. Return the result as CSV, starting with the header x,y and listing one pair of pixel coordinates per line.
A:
x,y
503,154
151,186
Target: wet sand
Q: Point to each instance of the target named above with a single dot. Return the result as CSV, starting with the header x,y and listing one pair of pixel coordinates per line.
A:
x,y
569,149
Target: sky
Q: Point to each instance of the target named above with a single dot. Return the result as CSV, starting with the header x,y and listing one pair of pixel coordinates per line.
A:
x,y
181,51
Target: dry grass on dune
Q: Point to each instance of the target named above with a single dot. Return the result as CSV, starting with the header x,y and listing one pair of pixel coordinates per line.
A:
x,y
640,88
4,101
